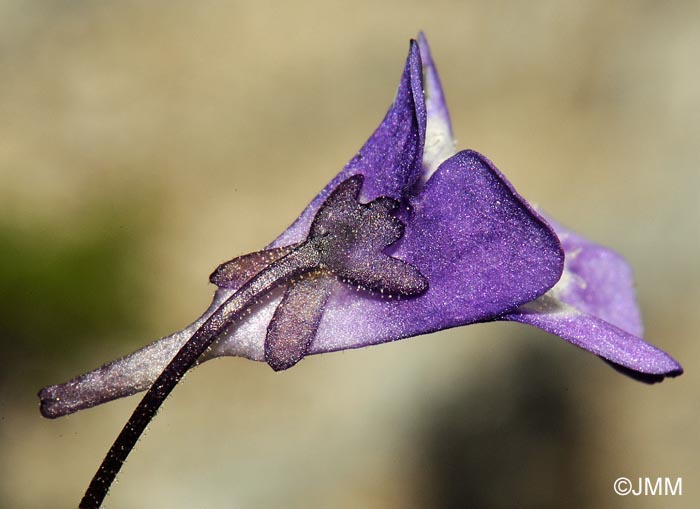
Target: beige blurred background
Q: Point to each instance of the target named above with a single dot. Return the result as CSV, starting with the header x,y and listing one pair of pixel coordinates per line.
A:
x,y
143,143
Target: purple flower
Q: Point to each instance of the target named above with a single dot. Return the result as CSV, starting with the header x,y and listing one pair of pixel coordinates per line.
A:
x,y
482,248
593,305
409,238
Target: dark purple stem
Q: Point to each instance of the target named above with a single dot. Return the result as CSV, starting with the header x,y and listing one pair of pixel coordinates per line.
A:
x,y
300,260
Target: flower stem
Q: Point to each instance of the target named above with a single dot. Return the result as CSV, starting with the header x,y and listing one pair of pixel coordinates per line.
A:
x,y
302,259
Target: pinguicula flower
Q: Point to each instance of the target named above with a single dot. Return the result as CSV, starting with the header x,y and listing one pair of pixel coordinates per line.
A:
x,y
409,238
593,305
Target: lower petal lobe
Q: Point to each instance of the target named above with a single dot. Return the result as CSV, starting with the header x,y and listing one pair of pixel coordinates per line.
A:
x,y
594,307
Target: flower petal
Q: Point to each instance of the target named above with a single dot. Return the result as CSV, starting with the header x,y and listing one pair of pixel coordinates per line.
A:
x,y
625,351
482,248
439,142
598,281
593,306
391,158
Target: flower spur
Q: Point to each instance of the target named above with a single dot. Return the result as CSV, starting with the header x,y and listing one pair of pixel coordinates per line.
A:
x,y
484,252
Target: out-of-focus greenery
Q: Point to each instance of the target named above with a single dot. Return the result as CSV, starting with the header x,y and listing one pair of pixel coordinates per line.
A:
x,y
56,285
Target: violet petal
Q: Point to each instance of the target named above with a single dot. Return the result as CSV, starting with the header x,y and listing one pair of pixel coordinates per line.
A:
x,y
593,306
391,158
479,244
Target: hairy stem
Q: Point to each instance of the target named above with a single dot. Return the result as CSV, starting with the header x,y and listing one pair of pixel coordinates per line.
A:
x,y
300,260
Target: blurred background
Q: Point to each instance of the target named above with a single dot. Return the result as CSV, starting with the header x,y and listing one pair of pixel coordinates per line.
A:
x,y
143,143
